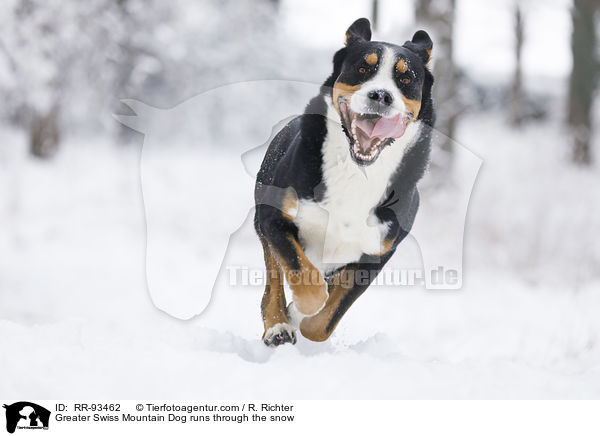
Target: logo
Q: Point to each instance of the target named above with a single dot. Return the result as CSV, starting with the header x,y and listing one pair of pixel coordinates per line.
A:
x,y
26,415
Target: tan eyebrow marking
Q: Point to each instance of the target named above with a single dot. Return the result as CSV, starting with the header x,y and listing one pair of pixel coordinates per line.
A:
x,y
372,58
401,66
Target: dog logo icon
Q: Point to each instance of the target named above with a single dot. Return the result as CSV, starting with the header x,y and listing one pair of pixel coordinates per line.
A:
x,y
26,415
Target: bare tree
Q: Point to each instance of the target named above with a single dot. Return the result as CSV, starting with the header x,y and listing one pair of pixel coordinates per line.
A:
x,y
516,92
375,14
44,132
583,78
41,88
54,52
437,17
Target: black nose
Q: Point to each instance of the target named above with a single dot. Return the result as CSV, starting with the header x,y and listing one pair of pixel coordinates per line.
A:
x,y
381,96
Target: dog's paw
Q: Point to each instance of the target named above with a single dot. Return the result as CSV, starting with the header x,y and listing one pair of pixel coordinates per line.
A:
x,y
279,334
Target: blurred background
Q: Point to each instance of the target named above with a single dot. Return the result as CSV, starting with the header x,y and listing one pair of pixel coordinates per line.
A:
x,y
516,83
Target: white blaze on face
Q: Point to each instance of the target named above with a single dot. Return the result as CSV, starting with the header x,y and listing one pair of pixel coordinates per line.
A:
x,y
382,80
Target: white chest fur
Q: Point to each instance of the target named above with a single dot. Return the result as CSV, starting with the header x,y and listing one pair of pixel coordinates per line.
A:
x,y
341,227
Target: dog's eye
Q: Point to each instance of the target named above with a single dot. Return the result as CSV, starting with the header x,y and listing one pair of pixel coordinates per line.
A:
x,y
362,70
405,80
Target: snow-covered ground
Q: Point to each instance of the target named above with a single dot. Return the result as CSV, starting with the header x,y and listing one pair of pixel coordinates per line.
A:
x,y
76,319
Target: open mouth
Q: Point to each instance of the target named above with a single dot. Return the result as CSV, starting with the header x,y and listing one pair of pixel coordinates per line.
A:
x,y
370,133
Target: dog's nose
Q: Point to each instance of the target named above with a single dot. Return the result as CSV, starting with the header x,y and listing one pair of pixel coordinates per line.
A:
x,y
381,96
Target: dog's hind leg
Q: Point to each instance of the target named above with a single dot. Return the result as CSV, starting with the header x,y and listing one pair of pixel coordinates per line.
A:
x,y
277,328
344,288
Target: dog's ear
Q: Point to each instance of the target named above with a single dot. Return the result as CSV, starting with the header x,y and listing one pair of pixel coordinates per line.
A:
x,y
421,44
359,30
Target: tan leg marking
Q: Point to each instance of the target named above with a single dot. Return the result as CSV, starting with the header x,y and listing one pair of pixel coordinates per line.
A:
x,y
386,246
309,290
273,302
315,327
289,205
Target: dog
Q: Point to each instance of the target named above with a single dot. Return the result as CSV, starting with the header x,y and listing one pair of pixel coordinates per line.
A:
x,y
336,192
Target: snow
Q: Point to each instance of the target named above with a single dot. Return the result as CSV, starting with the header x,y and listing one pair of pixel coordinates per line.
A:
x,y
74,307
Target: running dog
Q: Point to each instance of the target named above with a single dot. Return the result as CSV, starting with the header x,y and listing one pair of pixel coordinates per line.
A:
x,y
336,192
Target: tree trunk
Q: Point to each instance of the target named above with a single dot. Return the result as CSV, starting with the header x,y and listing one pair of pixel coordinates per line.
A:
x,y
516,92
583,78
375,14
438,19
44,133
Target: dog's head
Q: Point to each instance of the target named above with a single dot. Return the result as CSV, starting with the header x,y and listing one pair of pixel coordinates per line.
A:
x,y
377,88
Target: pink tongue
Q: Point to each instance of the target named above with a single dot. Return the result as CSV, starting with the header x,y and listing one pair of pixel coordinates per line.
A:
x,y
384,127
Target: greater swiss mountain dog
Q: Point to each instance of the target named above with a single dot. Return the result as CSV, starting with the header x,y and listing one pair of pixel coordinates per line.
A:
x,y
336,192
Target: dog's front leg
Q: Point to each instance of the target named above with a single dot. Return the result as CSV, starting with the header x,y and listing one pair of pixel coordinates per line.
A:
x,y
344,288
273,306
